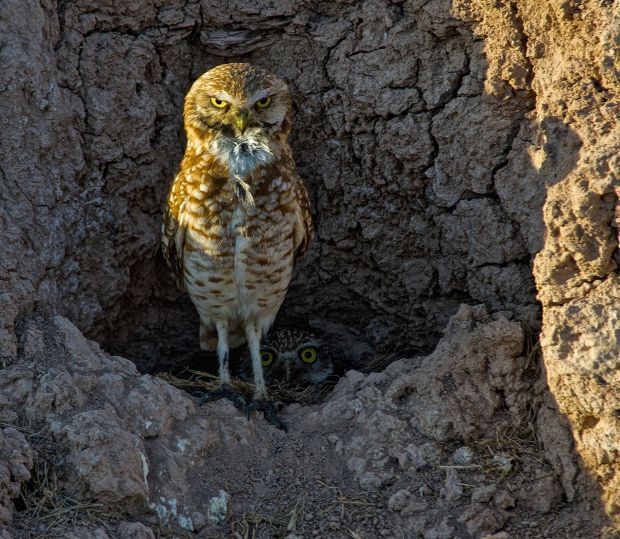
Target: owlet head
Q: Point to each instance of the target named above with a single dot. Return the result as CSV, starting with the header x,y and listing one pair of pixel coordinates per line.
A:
x,y
292,356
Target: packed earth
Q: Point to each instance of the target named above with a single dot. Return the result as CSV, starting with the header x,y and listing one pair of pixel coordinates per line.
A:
x,y
463,163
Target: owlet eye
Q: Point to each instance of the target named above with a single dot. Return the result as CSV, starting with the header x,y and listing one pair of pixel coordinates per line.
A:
x,y
218,103
308,354
263,103
266,358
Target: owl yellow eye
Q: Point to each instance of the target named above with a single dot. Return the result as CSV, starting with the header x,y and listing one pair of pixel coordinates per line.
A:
x,y
266,358
308,355
218,103
263,103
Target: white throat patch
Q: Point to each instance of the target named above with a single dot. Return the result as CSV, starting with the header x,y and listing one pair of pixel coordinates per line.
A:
x,y
243,155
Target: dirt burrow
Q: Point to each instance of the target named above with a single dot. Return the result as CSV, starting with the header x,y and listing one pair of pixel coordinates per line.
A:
x,y
438,446
456,152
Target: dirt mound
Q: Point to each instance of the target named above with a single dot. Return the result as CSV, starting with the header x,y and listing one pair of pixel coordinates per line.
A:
x,y
436,446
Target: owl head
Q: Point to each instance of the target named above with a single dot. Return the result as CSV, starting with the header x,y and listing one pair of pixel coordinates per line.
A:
x,y
239,113
291,356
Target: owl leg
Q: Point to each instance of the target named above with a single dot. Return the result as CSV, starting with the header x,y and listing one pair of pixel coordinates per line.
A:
x,y
223,352
253,337
224,392
270,412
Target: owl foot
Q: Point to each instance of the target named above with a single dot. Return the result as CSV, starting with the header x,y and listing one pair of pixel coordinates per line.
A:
x,y
224,392
270,412
269,409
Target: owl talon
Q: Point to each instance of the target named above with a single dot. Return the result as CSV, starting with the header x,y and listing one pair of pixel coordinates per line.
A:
x,y
270,412
224,392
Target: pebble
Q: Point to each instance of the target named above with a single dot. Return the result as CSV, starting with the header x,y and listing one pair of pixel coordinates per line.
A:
x,y
463,456
483,493
218,508
198,520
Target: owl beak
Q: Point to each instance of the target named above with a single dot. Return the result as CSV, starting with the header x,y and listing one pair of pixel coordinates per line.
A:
x,y
241,121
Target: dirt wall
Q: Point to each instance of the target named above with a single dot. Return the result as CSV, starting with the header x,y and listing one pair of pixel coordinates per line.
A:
x,y
445,145
395,134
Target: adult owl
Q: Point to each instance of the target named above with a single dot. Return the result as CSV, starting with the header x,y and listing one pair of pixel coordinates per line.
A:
x,y
237,215
293,356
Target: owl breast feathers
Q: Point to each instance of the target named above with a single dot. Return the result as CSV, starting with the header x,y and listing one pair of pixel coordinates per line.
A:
x,y
237,215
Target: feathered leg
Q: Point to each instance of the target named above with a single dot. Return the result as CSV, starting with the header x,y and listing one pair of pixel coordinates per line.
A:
x,y
253,338
223,352
260,402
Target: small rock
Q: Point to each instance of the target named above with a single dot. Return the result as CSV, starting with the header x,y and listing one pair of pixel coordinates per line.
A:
x,y
499,535
356,465
481,520
218,508
441,531
199,520
541,495
423,455
376,378
413,508
415,525
463,456
425,490
503,500
373,481
333,439
503,462
134,530
483,494
452,489
399,500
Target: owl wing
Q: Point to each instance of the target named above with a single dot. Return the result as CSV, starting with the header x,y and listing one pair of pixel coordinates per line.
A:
x,y
303,232
173,230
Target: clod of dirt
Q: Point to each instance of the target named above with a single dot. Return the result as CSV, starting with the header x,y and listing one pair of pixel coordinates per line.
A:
x,y
16,460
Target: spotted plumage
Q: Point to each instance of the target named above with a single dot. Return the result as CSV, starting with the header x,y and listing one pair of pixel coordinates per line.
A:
x,y
237,215
292,356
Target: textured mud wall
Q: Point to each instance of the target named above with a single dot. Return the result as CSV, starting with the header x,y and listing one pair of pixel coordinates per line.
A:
x,y
445,144
394,132
568,54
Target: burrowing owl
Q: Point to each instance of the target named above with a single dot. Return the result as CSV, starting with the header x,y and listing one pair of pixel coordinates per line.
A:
x,y
237,215
292,356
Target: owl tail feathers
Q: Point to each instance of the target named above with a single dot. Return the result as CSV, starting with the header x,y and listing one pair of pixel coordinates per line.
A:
x,y
208,337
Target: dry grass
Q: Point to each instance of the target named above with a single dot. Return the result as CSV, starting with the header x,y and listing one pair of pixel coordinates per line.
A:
x,y
355,506
205,381
45,509
201,381
510,446
381,361
253,524
43,506
531,349
248,526
344,507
